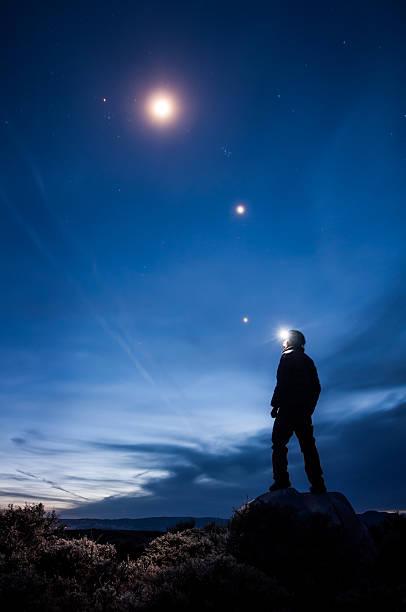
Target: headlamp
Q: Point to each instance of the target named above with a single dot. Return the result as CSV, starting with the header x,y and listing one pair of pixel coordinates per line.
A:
x,y
283,334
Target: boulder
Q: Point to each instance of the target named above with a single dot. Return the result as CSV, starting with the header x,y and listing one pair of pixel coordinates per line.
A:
x,y
335,505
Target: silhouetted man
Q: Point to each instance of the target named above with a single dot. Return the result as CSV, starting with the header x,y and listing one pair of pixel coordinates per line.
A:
x,y
293,403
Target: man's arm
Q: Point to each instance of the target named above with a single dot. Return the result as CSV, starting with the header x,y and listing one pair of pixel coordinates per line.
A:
x,y
316,387
277,396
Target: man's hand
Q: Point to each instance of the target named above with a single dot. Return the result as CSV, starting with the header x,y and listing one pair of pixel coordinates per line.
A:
x,y
274,412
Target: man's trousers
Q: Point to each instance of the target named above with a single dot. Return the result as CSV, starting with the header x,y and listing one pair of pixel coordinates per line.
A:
x,y
285,426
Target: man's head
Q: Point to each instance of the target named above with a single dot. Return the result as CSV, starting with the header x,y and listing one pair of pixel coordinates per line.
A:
x,y
294,338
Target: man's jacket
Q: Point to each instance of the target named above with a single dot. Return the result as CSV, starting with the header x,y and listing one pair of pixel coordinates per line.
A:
x,y
298,385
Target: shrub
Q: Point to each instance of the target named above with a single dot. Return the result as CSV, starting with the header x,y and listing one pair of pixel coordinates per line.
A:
x,y
185,570
204,584
270,557
39,570
174,548
83,560
25,529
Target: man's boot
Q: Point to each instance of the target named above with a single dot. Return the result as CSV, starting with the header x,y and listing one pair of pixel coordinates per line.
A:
x,y
278,486
318,487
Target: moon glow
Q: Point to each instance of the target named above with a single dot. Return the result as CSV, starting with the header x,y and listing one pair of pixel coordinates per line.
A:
x,y
161,108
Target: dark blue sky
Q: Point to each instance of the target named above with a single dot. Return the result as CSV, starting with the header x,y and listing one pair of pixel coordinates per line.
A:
x,y
130,385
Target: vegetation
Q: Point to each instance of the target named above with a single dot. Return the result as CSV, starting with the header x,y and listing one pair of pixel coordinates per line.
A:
x,y
127,542
268,557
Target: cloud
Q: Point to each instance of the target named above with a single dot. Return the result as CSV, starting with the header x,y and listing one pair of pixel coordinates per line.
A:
x,y
105,480
10,495
363,457
375,353
52,484
199,481
19,441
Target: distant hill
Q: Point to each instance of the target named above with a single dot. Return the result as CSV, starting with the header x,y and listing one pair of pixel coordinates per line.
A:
x,y
373,517
154,523
161,523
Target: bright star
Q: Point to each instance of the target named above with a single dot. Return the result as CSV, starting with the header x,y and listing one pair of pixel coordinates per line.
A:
x,y
240,209
245,320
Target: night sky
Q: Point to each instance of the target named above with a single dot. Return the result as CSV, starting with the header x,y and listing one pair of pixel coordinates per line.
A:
x,y
130,383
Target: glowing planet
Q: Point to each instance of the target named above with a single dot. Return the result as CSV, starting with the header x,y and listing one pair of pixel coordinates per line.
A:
x,y
245,319
240,209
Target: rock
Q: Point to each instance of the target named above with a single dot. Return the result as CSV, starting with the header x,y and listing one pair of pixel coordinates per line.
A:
x,y
335,505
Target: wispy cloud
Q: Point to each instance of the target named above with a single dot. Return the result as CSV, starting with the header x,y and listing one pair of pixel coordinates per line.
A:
x,y
12,495
52,484
375,352
120,338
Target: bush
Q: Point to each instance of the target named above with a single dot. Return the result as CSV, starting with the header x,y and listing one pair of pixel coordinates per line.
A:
x,y
214,583
83,560
174,548
24,529
269,557
39,570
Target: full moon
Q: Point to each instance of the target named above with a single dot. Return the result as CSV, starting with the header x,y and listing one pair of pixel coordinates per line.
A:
x,y
161,108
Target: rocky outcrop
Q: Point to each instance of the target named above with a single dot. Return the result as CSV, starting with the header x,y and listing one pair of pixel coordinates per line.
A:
x,y
335,505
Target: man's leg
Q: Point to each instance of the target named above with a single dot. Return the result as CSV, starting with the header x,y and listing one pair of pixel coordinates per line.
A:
x,y
304,432
281,434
